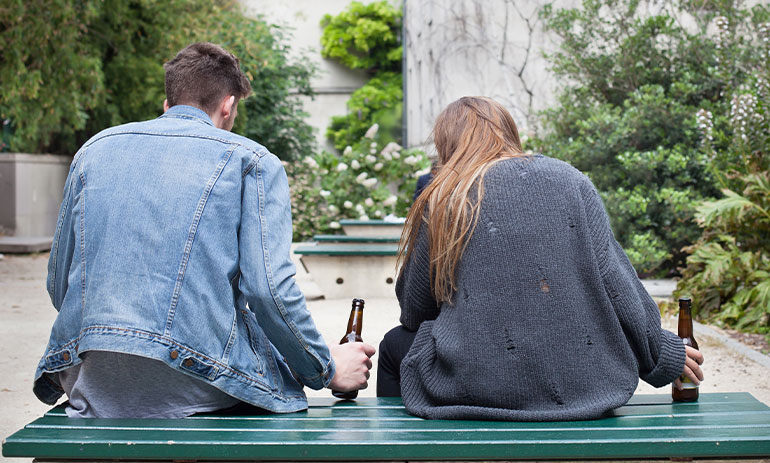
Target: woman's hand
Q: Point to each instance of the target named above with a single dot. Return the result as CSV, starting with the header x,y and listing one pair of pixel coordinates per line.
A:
x,y
691,367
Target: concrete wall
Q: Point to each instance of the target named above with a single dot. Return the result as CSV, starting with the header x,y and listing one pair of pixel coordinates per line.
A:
x,y
491,48
334,83
31,187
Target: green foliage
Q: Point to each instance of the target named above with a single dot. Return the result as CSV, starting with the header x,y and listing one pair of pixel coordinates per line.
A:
x,y
364,36
629,118
381,100
50,74
728,269
367,37
369,181
114,52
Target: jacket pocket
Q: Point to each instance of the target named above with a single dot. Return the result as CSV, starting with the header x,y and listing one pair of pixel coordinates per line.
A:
x,y
255,340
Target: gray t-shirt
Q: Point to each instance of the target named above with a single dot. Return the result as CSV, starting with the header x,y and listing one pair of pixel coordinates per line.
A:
x,y
116,385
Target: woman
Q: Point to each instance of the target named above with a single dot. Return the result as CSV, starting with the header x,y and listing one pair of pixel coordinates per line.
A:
x,y
527,307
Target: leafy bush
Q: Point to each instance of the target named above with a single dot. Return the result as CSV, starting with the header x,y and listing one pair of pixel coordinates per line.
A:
x,y
628,118
367,37
382,100
114,52
728,270
371,181
364,36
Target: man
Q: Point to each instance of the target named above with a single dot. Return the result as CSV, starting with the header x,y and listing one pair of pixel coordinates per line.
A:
x,y
170,267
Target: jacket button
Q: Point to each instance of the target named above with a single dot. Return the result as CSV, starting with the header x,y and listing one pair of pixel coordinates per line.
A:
x,y
188,363
65,356
174,354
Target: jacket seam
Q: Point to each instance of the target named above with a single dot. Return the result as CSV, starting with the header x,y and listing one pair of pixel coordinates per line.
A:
x,y
191,237
271,282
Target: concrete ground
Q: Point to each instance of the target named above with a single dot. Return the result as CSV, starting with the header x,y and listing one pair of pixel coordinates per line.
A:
x,y
26,316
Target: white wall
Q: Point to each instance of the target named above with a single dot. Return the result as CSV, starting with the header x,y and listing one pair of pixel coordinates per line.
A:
x,y
491,48
334,83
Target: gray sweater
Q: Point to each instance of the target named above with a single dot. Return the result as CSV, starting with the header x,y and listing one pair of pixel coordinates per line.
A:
x,y
549,321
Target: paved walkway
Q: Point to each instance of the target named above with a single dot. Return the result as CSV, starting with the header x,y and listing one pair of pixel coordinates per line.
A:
x,y
26,316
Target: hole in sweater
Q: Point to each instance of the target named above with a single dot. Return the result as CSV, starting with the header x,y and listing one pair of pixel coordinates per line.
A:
x,y
544,286
509,345
555,393
491,227
570,222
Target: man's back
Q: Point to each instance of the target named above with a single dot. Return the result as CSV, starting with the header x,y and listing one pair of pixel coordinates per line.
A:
x,y
168,228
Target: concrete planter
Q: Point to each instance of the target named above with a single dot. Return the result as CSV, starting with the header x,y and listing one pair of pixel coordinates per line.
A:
x,y
31,187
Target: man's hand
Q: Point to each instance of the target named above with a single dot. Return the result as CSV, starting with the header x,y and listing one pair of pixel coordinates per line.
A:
x,y
691,367
352,364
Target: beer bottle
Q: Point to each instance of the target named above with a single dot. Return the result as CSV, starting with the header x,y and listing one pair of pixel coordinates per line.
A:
x,y
353,334
689,392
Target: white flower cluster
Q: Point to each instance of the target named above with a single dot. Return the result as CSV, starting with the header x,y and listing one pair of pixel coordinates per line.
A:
x,y
743,114
723,27
764,35
705,124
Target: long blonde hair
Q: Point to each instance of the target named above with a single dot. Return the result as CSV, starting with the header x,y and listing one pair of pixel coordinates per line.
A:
x,y
471,134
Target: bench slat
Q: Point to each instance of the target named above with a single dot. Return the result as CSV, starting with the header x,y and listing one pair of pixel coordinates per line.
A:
x,y
718,426
355,239
355,249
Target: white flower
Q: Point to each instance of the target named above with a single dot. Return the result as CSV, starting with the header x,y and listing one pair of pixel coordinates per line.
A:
x,y
389,201
310,162
391,147
325,193
363,217
373,145
369,182
348,150
410,160
333,209
372,151
378,166
354,164
324,171
378,213
334,225
347,204
395,154
387,156
361,177
370,159
372,131
360,208
342,167
422,172
369,202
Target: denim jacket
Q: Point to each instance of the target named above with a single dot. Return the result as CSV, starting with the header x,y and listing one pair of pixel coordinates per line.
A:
x,y
172,243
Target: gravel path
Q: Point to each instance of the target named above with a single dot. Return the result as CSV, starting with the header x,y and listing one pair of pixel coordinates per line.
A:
x,y
26,316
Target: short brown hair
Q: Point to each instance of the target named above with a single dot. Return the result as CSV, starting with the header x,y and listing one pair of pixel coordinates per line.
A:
x,y
202,74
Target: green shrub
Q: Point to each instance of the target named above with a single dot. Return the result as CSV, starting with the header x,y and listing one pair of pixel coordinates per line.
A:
x,y
382,100
112,54
369,181
628,119
367,37
364,36
728,269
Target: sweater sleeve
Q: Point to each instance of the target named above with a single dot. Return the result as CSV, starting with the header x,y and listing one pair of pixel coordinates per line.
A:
x,y
660,353
413,288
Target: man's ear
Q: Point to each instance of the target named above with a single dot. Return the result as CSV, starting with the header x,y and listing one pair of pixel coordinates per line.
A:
x,y
165,105
227,107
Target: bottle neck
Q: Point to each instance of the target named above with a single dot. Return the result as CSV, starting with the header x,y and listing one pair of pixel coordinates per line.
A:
x,y
685,322
355,322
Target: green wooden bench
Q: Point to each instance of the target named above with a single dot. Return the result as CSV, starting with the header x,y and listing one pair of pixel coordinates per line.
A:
x,y
719,426
347,239
371,228
347,270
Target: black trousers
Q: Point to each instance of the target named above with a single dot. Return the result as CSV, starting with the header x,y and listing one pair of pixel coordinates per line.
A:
x,y
393,349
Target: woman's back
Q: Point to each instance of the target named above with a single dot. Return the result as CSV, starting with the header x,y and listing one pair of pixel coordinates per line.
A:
x,y
548,320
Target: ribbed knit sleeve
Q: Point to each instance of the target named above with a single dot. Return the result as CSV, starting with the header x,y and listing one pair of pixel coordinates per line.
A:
x,y
660,353
413,286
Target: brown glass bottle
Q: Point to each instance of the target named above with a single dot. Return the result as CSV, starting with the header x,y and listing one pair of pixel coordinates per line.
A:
x,y
689,392
353,334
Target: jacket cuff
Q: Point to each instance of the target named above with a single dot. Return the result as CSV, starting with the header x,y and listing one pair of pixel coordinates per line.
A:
x,y
671,359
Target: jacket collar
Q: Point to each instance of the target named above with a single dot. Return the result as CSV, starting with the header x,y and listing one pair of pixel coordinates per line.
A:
x,y
188,112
